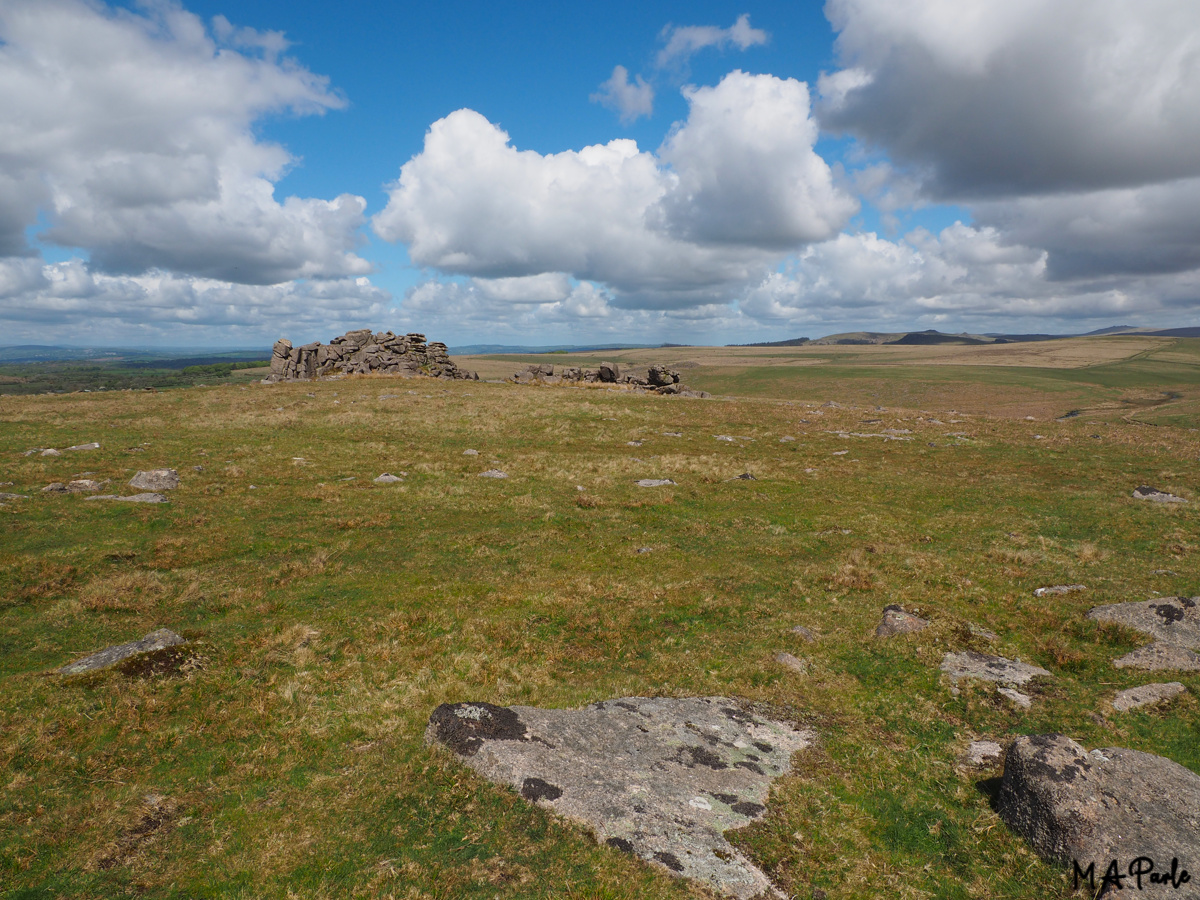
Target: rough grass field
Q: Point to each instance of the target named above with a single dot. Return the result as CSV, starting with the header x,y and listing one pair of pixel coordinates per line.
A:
x,y
279,753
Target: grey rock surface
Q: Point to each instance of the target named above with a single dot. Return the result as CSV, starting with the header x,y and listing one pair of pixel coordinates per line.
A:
x,y
1175,620
1145,492
92,446
7,496
110,656
804,633
361,352
794,663
1160,656
1012,694
155,480
51,452
970,664
1146,695
133,498
387,478
654,482
983,754
493,473
896,621
1109,804
1059,589
661,778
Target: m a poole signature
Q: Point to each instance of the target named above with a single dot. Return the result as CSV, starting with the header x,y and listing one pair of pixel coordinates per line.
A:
x,y
1140,871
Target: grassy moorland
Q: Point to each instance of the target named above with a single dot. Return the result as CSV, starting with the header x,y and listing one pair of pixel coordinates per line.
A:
x,y
280,754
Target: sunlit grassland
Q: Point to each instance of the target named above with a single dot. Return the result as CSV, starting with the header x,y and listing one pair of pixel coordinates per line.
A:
x,y
329,616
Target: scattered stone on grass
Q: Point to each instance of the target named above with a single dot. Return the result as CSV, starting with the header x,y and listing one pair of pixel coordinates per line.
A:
x,y
50,451
387,478
982,633
840,452
983,754
970,664
134,498
493,473
1022,700
786,439
1059,589
792,662
897,621
745,476
661,778
654,482
470,452
1175,620
633,443
92,446
1146,695
1145,492
155,640
1110,804
724,437
1158,656
672,434
156,480
78,486
7,496
804,633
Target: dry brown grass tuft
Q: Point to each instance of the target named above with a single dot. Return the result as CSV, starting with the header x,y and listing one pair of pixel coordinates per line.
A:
x,y
127,591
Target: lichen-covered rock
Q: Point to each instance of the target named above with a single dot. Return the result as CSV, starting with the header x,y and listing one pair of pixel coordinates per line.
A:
x,y
1175,620
110,656
1145,492
156,480
970,664
1146,695
361,352
1160,656
661,778
1111,804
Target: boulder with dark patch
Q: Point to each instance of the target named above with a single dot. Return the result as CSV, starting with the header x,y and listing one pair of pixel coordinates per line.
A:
x,y
1145,492
970,664
1173,620
660,778
1089,809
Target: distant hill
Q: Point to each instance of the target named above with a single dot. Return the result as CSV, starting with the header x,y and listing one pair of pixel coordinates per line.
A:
x,y
792,342
936,337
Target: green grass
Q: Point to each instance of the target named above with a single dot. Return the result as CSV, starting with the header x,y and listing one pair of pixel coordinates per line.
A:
x,y
329,617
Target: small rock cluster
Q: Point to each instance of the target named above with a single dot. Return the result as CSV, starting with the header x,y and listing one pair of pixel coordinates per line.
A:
x,y
361,352
659,379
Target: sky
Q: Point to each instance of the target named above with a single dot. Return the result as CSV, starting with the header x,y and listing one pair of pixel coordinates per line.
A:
x,y
221,175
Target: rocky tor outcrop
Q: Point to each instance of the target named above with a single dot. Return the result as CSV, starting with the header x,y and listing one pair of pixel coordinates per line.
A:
x,y
362,352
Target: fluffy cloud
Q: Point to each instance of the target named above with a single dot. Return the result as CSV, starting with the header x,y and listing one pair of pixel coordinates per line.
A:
x,y
682,41
1021,97
731,189
964,275
55,303
133,136
629,101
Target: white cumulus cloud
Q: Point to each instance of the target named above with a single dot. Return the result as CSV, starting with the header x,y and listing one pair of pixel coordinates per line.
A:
x,y
732,189
131,134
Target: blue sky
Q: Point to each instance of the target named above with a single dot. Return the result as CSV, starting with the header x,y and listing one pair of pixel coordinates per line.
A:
x,y
227,174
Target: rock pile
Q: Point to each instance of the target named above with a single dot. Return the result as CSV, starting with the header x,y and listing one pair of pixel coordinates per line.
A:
x,y
361,352
659,379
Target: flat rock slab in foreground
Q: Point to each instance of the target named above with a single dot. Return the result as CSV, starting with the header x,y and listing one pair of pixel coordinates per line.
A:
x,y
970,664
155,640
1175,620
658,777
1110,804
